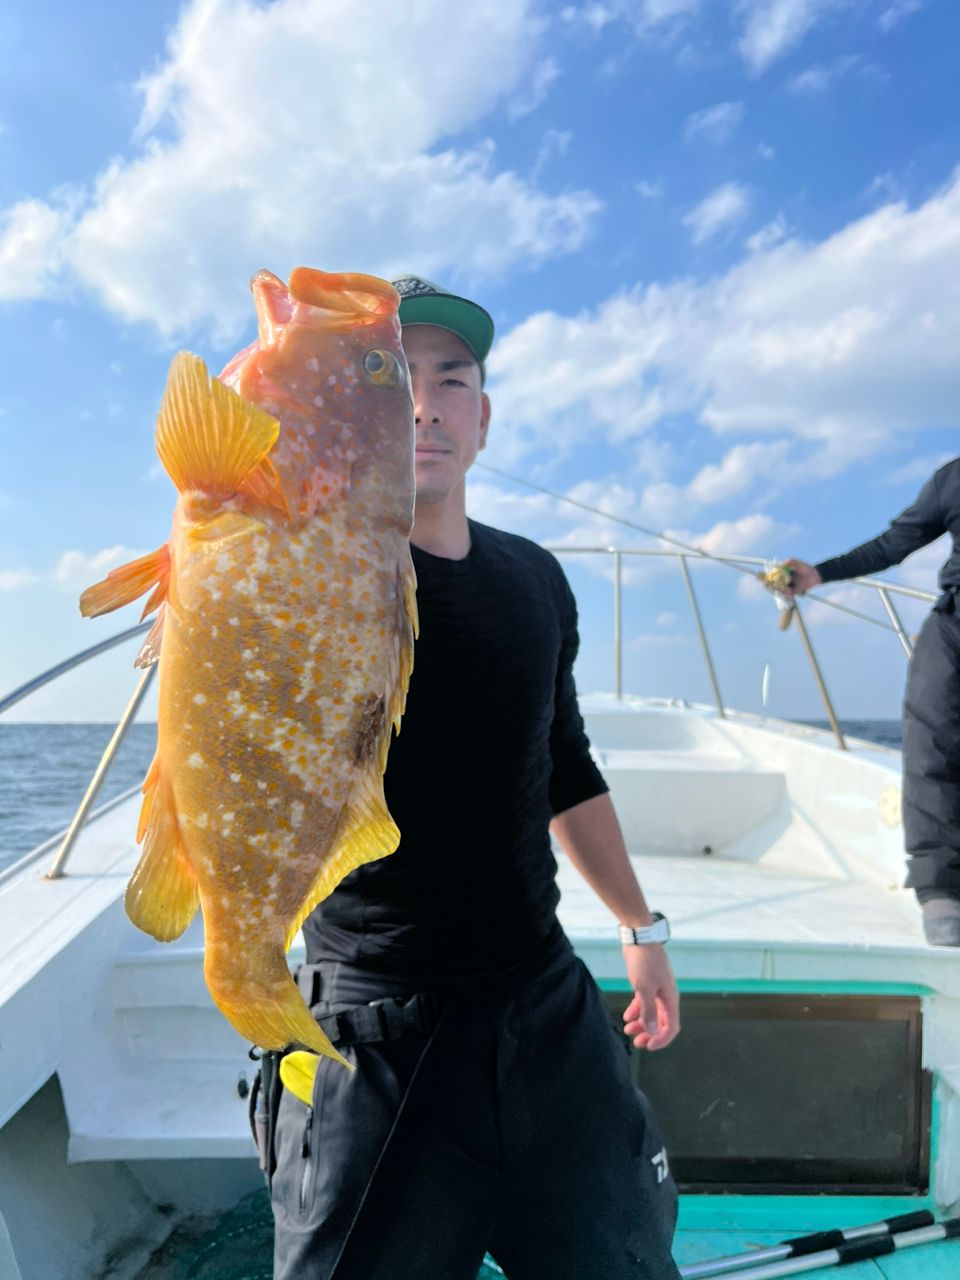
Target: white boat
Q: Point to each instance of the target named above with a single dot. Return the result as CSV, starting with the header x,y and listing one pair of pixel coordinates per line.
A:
x,y
816,1084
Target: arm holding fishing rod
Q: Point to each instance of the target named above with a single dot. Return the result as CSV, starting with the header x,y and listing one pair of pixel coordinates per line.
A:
x,y
931,709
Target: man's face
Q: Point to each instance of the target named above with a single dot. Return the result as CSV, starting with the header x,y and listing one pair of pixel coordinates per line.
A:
x,y
452,412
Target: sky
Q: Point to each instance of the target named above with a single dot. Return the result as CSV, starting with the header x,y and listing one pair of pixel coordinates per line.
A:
x,y
720,240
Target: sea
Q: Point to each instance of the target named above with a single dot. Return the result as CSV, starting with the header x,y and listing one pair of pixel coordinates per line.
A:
x,y
45,770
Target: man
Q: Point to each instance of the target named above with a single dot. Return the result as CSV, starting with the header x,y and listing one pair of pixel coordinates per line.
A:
x,y
931,707
491,1107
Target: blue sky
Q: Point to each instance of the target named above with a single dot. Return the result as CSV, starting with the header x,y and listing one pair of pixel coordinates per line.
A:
x,y
720,240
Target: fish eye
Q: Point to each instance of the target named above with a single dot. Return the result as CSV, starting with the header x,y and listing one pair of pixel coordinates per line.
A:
x,y
382,368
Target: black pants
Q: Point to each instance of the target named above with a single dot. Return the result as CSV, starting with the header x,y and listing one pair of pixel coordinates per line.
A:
x,y
931,756
513,1128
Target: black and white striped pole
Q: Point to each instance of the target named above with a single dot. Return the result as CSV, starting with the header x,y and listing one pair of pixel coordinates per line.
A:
x,y
858,1250
879,1234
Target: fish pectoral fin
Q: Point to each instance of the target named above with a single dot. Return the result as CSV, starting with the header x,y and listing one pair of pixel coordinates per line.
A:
x,y
298,1071
367,832
209,437
162,896
225,526
263,484
128,583
150,649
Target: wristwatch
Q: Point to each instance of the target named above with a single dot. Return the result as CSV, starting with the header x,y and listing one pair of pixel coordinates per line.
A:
x,y
659,931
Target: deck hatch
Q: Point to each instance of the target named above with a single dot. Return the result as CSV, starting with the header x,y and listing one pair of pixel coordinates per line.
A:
x,y
793,1094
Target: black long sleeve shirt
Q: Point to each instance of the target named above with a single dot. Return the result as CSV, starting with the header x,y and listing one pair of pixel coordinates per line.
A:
x,y
492,746
935,512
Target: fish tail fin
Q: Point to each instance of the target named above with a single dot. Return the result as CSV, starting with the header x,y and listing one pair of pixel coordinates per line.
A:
x,y
209,437
262,1002
162,896
129,582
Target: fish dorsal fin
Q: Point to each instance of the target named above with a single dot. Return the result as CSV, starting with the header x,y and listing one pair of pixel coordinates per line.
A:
x,y
208,437
162,896
367,832
128,583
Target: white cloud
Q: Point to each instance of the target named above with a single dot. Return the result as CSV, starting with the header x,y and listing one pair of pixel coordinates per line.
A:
x,y
31,255
837,344
347,160
667,619
768,235
76,570
535,91
919,470
714,124
649,190
722,208
737,472
773,27
661,19
14,579
819,77
556,142
750,535
897,12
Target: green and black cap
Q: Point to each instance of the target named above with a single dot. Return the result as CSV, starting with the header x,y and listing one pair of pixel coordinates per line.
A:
x,y
423,302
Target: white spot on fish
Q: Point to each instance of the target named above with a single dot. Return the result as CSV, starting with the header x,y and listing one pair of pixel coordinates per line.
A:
x,y
318,401
296,813
313,364
261,786
196,761
214,632
228,817
203,821
332,380
199,699
235,777
234,622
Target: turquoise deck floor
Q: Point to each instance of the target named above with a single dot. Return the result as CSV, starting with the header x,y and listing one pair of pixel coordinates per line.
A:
x,y
713,1227
240,1246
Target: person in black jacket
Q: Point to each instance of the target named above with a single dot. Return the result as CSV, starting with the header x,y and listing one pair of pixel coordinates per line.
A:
x,y
492,1106
931,708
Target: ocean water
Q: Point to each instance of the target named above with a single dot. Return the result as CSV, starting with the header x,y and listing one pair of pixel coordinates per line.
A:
x,y
45,769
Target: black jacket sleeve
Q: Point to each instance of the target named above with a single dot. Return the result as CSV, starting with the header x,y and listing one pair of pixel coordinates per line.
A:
x,y
914,528
575,777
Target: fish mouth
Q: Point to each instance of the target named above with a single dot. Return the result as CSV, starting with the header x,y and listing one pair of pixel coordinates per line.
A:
x,y
342,299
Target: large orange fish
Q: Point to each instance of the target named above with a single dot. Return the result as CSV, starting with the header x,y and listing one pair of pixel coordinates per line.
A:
x,y
285,635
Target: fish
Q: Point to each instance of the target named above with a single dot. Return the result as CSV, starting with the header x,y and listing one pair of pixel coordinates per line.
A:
x,y
286,616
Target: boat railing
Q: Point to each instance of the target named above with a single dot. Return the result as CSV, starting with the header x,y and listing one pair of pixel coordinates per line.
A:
x,y
754,565
749,564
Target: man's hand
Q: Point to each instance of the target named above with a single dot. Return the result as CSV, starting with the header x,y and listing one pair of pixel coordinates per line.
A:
x,y
805,578
652,1018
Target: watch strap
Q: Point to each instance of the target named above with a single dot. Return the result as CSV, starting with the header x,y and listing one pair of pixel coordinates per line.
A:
x,y
658,932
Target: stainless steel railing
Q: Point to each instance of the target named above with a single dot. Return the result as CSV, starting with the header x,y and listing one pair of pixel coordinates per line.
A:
x,y
113,746
883,589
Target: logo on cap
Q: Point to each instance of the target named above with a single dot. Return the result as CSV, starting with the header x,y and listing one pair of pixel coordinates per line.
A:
x,y
413,286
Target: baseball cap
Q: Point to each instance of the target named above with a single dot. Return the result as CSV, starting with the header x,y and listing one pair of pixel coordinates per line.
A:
x,y
423,302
